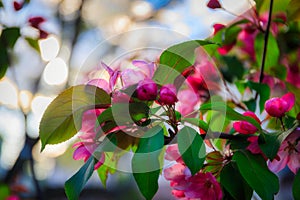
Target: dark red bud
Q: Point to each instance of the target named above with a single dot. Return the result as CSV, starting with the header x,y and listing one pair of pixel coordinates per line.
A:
x,y
214,4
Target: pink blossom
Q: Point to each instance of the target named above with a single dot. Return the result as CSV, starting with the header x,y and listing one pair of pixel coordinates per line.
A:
x,y
289,154
146,90
147,68
247,37
120,97
100,83
254,148
113,75
218,27
293,75
202,186
225,48
245,127
109,85
187,101
172,153
213,4
132,76
167,94
278,106
89,118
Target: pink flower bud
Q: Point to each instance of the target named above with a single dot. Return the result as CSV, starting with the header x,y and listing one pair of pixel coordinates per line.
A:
x,y
167,94
218,27
245,127
147,90
213,4
18,6
277,107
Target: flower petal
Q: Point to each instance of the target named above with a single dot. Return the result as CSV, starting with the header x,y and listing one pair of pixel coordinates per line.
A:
x,y
290,99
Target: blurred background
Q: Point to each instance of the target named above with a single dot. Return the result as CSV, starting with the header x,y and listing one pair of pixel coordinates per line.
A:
x,y
71,41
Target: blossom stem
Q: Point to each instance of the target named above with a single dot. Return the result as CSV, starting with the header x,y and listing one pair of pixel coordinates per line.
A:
x,y
266,38
282,124
210,135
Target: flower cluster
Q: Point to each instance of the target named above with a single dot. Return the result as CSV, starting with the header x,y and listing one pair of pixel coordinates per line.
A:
x,y
220,115
185,186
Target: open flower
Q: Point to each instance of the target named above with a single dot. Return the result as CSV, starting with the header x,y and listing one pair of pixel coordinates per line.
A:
x,y
245,127
278,106
289,154
132,76
202,186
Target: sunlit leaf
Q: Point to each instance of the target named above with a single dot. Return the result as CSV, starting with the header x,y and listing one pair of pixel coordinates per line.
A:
x,y
175,59
62,118
191,148
108,167
33,43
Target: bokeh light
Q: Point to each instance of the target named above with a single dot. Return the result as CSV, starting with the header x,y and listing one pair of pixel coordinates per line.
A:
x,y
56,72
49,47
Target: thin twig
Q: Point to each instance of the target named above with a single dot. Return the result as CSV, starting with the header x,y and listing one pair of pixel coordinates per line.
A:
x,y
266,38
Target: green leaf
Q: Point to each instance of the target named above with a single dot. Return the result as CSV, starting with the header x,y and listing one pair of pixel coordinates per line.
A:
x,y
34,43
175,59
62,118
191,148
293,10
251,104
234,183
145,162
4,191
233,68
269,144
229,112
255,171
263,91
272,54
4,60
76,183
278,71
9,36
109,166
197,122
123,112
296,186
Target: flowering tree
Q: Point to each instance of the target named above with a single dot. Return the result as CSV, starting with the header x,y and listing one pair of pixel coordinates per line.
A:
x,y
225,111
